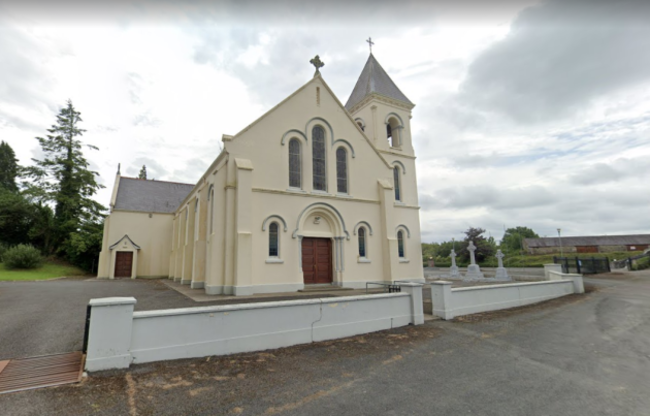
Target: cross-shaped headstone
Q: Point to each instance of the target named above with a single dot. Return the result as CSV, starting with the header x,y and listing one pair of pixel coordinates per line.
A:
x,y
500,257
471,248
318,64
370,43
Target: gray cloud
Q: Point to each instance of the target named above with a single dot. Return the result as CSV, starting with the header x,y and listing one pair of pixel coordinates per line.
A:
x,y
559,56
601,173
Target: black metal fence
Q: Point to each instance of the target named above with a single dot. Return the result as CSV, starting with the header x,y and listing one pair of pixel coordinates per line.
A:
x,y
589,265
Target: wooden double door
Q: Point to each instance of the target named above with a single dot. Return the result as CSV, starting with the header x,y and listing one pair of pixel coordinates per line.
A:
x,y
123,263
317,260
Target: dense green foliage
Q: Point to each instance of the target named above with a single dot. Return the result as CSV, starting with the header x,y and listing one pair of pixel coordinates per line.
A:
x,y
8,168
55,212
22,256
62,178
513,239
641,264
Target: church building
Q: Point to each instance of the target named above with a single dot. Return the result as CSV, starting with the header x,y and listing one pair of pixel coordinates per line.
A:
x,y
314,192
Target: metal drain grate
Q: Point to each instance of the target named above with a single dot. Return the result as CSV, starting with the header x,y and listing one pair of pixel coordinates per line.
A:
x,y
44,371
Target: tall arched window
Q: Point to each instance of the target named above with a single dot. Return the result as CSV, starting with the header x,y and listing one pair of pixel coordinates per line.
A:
x,y
400,243
341,171
396,180
211,198
318,157
295,168
273,240
362,242
196,220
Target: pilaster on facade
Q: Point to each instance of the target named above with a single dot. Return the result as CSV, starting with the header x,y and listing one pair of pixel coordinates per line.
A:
x,y
389,243
243,272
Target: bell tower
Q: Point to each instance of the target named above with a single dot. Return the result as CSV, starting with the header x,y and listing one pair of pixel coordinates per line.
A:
x,y
381,110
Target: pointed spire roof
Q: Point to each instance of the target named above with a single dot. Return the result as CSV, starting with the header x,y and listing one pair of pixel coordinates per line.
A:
x,y
374,79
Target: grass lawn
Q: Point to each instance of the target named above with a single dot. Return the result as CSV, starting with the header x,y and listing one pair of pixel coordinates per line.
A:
x,y
47,271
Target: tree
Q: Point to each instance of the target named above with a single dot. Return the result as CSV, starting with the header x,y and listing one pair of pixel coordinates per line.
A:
x,y
143,172
63,179
485,248
512,241
17,218
8,167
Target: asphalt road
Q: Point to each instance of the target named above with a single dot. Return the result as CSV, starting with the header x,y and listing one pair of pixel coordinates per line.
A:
x,y
578,355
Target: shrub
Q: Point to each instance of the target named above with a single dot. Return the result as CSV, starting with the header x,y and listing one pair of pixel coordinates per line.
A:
x,y
3,248
22,256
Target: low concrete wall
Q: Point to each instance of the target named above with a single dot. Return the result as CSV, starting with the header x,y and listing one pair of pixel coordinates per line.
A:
x,y
449,303
142,337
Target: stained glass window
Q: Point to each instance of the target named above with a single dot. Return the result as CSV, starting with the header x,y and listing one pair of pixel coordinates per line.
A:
x,y
341,171
273,239
318,156
400,243
362,242
294,164
398,196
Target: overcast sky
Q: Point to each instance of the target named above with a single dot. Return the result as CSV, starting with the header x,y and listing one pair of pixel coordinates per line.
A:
x,y
527,113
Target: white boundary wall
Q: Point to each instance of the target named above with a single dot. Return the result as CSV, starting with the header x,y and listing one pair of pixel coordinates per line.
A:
x,y
118,337
448,303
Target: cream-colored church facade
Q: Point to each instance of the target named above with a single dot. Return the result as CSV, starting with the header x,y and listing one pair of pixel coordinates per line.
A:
x,y
313,192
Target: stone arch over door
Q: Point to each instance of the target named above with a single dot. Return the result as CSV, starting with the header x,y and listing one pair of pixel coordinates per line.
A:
x,y
323,221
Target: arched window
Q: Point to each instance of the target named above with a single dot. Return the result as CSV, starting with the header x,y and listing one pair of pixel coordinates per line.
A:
x,y
400,243
362,242
396,181
318,157
211,198
295,168
341,171
273,240
187,224
196,220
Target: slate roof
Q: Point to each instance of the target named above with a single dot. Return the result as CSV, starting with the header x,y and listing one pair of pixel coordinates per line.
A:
x,y
596,240
373,78
150,196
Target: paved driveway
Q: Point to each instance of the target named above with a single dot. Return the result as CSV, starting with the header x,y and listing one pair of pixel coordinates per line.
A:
x,y
48,317
578,355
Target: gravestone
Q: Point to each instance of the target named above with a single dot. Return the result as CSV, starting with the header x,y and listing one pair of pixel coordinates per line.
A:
x,y
473,270
502,273
453,270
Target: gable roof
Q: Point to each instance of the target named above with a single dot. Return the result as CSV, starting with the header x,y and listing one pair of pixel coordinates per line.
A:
x,y
143,195
374,79
596,240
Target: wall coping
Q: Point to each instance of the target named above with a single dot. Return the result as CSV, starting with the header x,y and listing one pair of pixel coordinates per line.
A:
x,y
112,301
261,305
548,282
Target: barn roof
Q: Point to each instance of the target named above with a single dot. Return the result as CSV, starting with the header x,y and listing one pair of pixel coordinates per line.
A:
x,y
374,79
595,240
143,195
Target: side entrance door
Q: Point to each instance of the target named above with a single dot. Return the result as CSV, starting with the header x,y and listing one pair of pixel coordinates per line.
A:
x,y
317,260
123,263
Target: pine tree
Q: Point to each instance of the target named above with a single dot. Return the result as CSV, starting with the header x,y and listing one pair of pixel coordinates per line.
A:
x,y
8,167
143,172
63,178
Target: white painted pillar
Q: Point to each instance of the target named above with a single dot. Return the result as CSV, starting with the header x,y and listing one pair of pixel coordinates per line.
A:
x,y
109,335
578,284
551,267
441,300
415,292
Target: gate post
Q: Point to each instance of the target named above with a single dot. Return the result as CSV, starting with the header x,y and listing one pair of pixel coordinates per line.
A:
x,y
415,292
109,333
441,300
